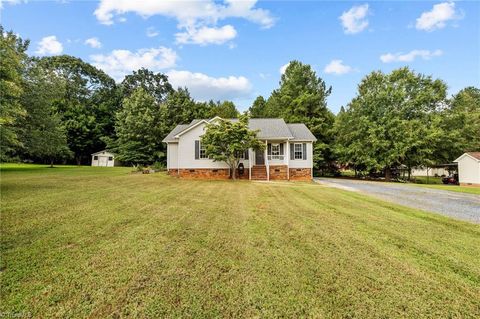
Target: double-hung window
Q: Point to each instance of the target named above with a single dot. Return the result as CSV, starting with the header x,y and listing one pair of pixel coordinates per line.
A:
x,y
298,151
203,151
275,153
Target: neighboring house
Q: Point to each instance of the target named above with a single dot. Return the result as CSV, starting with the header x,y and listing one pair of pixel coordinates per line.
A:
x,y
430,171
104,158
287,155
469,168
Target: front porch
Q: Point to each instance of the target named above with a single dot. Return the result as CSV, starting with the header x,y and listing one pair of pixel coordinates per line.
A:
x,y
273,163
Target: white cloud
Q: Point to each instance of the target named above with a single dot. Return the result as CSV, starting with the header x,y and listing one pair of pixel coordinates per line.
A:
x,y
186,12
121,62
151,32
49,46
196,19
410,56
354,20
337,67
206,35
94,43
283,68
11,2
204,87
438,17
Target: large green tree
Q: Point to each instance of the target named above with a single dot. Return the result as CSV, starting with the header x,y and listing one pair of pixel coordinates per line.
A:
x,y
12,64
258,108
393,120
225,141
460,121
140,129
87,106
181,108
224,109
42,132
302,98
155,84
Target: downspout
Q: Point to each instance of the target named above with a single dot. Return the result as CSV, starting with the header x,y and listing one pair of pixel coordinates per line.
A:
x,y
178,158
266,160
168,162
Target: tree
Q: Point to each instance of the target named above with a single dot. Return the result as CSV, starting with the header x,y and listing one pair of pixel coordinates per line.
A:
x,y
180,108
460,121
12,63
302,98
139,129
258,108
41,131
225,110
225,141
155,84
391,121
88,105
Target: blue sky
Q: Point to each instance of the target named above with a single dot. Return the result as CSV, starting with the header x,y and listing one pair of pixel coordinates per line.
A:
x,y
235,49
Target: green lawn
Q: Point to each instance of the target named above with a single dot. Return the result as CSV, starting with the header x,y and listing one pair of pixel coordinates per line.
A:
x,y
454,188
100,242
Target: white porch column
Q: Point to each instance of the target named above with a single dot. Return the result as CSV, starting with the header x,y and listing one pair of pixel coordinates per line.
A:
x,y
249,164
287,154
267,165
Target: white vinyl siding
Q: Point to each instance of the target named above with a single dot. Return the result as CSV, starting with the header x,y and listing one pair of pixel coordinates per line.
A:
x,y
468,170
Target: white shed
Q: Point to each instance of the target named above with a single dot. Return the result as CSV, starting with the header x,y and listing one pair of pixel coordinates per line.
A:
x,y
469,168
103,158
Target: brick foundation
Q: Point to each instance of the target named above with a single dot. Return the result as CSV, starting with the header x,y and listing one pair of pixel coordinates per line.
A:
x,y
278,172
300,174
173,172
205,173
470,184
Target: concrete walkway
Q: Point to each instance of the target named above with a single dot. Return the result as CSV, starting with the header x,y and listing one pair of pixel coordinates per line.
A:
x,y
449,203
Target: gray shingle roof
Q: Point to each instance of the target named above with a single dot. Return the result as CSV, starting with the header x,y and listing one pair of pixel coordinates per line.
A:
x,y
268,129
300,132
171,136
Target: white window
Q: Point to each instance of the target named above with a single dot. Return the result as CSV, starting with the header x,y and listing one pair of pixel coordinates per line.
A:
x,y
275,149
298,151
203,152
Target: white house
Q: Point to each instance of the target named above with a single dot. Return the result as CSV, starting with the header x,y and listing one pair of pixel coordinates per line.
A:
x,y
104,158
429,171
469,168
288,154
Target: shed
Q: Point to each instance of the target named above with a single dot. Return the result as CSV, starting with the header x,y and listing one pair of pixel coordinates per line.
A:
x,y
469,168
104,158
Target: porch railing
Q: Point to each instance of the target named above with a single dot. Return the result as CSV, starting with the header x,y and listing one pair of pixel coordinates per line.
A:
x,y
276,157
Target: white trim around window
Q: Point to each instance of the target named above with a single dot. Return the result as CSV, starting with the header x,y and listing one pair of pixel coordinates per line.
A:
x,y
298,151
202,152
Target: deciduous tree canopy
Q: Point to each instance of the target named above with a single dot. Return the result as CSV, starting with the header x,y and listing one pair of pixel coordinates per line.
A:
x,y
226,141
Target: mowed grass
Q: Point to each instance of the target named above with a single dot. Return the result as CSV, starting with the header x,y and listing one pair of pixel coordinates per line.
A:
x,y
100,242
453,188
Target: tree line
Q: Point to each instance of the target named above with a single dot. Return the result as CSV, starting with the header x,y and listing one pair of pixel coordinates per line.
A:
x,y
62,108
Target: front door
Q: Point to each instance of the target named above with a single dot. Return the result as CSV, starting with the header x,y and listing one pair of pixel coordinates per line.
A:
x,y
259,157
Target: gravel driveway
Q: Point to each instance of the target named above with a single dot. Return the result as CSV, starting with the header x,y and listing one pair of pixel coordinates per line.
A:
x,y
454,204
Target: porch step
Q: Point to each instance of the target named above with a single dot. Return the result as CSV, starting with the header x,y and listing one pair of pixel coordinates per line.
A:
x,y
259,172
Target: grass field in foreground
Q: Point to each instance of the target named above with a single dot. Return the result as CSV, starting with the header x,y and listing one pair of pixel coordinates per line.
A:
x,y
100,242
